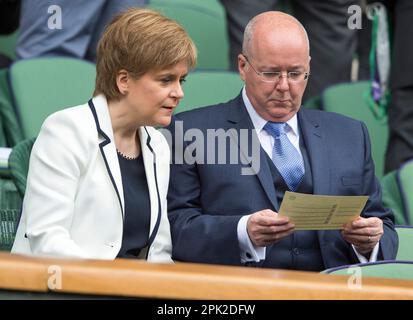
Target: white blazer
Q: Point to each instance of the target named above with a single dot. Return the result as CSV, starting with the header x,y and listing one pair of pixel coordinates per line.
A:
x,y
74,203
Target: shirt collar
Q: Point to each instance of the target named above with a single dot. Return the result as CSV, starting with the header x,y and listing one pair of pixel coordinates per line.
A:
x,y
259,122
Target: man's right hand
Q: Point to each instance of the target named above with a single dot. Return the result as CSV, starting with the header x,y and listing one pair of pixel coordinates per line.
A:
x,y
266,227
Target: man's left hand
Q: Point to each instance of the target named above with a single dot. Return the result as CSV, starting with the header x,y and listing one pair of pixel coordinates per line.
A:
x,y
363,233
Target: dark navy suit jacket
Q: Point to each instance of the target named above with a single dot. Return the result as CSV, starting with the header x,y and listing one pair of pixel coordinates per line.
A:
x,y
206,201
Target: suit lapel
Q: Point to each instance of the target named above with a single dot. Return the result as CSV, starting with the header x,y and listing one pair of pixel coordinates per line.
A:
x,y
98,106
240,119
150,153
312,133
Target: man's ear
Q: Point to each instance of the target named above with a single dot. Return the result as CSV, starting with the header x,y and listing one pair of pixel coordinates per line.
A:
x,y
122,81
241,66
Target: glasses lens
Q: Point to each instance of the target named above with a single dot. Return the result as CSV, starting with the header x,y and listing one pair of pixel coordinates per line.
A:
x,y
295,76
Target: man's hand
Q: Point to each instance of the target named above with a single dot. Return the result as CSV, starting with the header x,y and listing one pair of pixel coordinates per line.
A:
x,y
266,227
363,233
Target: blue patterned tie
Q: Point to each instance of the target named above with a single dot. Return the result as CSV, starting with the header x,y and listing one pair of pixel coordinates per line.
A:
x,y
285,156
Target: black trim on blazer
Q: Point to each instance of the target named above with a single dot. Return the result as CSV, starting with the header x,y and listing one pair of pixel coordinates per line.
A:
x,y
101,145
158,220
148,140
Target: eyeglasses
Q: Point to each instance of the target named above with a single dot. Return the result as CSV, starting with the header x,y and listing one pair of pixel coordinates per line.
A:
x,y
275,76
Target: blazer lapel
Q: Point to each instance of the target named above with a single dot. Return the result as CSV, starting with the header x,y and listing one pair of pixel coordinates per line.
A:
x,y
317,149
240,119
150,153
311,131
99,107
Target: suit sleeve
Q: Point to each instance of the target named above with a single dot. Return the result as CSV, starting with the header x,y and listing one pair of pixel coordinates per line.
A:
x,y
374,207
196,236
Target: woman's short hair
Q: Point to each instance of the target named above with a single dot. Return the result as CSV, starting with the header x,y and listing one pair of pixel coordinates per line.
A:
x,y
140,40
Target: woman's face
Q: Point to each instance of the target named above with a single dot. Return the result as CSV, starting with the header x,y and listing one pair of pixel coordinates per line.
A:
x,y
154,96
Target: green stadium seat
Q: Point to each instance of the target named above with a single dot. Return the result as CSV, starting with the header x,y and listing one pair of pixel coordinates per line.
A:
x,y
19,164
405,251
10,130
405,180
42,86
383,269
392,198
205,22
10,205
313,103
350,99
8,45
204,88
9,219
210,5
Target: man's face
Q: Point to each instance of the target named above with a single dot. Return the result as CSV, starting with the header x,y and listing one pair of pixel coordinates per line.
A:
x,y
275,51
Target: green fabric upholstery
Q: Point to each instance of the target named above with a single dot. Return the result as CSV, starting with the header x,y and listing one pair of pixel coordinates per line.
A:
x,y
8,45
210,5
382,269
12,192
19,164
3,101
405,179
392,198
9,219
10,205
10,130
405,251
42,86
205,22
313,103
204,88
350,99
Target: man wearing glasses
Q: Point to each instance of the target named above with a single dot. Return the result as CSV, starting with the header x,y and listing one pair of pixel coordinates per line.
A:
x,y
220,215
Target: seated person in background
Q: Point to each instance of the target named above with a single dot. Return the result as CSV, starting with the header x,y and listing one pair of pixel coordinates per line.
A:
x,y
221,215
70,28
99,172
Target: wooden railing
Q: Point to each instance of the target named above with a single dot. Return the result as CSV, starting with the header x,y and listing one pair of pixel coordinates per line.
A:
x,y
130,278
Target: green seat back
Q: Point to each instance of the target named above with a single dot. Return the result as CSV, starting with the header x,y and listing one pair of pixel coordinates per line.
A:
x,y
204,88
405,251
8,45
45,85
3,102
19,164
391,197
313,103
381,269
350,99
405,179
10,130
9,218
205,23
210,5
10,205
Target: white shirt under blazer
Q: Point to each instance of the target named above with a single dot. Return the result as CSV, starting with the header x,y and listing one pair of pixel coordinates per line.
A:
x,y
74,203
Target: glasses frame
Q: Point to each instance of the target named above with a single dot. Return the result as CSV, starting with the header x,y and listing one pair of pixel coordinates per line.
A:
x,y
280,74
